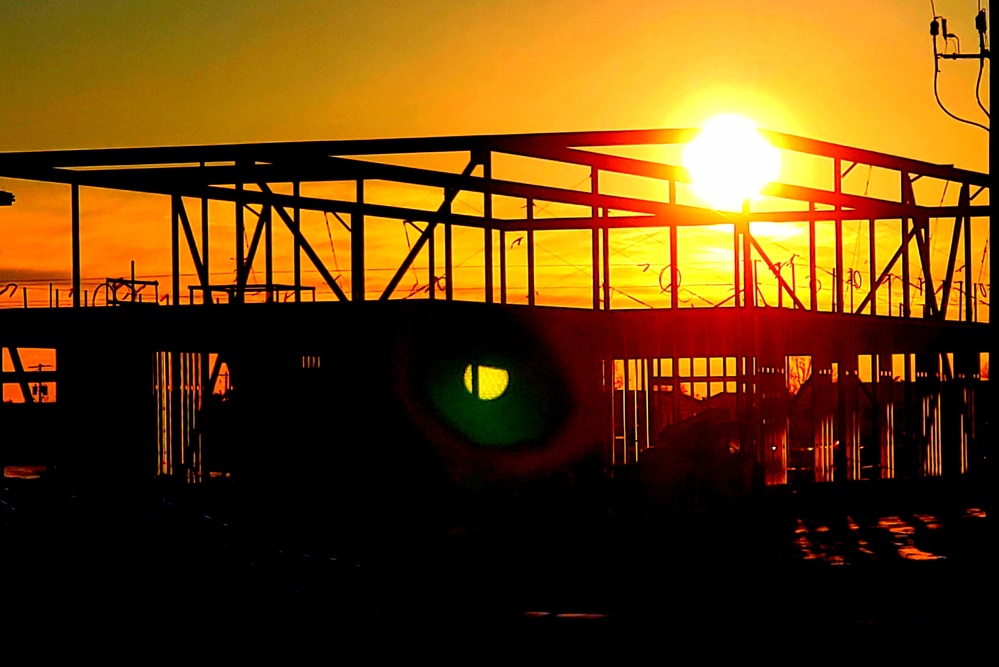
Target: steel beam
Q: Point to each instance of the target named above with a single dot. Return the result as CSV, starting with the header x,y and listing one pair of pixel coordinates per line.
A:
x,y
276,151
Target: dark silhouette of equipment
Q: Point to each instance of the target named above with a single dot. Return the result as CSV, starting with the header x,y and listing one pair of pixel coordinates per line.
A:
x,y
6,198
938,28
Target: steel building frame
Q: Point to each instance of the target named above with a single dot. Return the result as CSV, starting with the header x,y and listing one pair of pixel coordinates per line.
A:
x,y
938,345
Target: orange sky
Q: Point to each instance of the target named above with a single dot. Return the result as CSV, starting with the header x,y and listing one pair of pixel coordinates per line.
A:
x,y
104,73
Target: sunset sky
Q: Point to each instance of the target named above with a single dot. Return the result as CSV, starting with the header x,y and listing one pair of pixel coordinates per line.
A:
x,y
102,73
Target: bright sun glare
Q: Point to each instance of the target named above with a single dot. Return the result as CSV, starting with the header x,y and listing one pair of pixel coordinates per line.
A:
x,y
486,383
730,162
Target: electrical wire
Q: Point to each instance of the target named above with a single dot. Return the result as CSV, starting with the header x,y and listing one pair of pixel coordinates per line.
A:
x,y
936,93
329,234
978,89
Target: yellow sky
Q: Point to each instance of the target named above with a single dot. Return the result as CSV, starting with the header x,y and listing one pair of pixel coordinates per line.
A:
x,y
101,73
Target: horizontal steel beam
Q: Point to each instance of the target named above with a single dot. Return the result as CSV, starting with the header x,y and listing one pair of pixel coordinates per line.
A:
x,y
271,151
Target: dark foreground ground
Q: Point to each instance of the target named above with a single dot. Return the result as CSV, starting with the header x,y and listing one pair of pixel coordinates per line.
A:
x,y
873,569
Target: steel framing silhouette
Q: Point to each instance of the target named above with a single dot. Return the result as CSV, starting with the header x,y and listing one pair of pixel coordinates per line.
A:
x,y
641,351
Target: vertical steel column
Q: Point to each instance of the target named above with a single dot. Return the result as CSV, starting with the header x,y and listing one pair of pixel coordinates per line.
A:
x,y
906,305
196,400
432,266
838,188
736,294
176,414
823,419
530,257
240,232
967,371
675,387
448,257
908,467
637,433
969,288
930,431
174,249
162,374
76,244
773,411
357,246
624,412
849,432
813,280
206,294
646,381
872,276
749,283
674,271
595,241
605,233
884,412
296,192
487,213
269,253
204,399
609,370
595,266
185,413
502,245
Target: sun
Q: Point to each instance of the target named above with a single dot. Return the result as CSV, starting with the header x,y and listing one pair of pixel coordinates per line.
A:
x,y
729,162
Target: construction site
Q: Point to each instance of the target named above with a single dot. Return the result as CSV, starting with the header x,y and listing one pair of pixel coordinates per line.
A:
x,y
831,338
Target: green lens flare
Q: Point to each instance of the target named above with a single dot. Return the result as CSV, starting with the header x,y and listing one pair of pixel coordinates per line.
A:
x,y
487,383
489,379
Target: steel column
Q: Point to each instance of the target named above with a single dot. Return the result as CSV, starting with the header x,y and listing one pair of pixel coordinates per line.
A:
x,y
174,250
240,233
872,273
487,214
595,266
674,271
77,282
838,191
605,233
448,259
357,281
531,287
206,296
884,415
268,254
296,234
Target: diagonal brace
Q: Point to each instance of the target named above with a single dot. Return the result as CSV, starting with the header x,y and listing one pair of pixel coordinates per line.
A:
x,y
886,271
449,196
780,278
263,218
309,251
952,259
199,266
